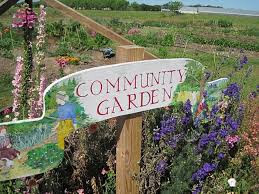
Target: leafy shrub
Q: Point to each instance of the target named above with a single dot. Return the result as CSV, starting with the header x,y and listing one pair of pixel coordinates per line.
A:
x,y
163,52
225,23
101,41
168,40
56,29
63,49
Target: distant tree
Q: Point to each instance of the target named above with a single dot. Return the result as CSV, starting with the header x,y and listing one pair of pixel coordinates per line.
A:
x,y
175,6
135,6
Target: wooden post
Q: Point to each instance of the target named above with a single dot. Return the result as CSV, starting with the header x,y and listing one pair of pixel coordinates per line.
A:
x,y
128,152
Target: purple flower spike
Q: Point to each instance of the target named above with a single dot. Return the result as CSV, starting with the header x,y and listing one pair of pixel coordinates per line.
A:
x,y
232,91
161,166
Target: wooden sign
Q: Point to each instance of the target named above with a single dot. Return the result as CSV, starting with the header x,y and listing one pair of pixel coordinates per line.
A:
x,y
30,147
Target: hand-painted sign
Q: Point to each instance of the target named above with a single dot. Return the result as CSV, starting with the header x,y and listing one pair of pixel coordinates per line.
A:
x,y
35,146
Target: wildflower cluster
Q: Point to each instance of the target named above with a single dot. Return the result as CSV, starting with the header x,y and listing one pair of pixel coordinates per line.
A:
x,y
24,17
206,139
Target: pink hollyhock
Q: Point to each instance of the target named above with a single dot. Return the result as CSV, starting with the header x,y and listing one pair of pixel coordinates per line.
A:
x,y
24,18
133,31
232,140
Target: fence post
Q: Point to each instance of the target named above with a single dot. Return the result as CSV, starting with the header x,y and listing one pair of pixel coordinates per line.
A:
x,y
128,151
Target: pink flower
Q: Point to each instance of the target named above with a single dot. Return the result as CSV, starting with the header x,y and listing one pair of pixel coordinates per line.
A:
x,y
17,86
232,140
24,18
104,171
80,191
7,111
37,104
93,34
62,62
134,31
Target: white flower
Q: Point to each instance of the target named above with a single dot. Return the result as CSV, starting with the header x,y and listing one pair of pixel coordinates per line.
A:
x,y
7,116
232,182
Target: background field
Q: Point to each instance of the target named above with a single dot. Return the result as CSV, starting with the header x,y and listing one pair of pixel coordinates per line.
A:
x,y
214,40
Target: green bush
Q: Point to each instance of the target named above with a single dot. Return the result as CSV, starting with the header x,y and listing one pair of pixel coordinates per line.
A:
x,y
225,23
163,52
63,49
168,40
56,29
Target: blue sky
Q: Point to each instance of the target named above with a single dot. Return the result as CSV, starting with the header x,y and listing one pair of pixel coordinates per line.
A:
x,y
238,4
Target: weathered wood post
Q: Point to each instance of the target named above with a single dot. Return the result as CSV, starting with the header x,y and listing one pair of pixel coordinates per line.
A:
x,y
128,152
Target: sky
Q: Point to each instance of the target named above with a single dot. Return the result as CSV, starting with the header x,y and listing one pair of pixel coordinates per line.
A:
x,y
237,4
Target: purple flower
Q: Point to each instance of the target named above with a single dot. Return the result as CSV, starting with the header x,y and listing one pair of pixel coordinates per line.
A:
x,y
214,111
168,125
197,121
223,133
212,136
221,155
157,136
186,119
187,106
219,121
209,167
204,140
243,60
188,113
232,123
174,140
203,172
197,190
232,91
161,166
